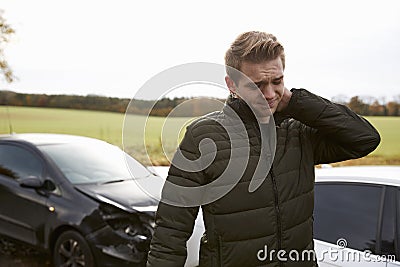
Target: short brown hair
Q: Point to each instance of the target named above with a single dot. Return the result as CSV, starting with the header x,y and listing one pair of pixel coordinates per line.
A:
x,y
255,47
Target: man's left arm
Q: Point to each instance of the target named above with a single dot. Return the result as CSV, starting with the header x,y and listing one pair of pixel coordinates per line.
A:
x,y
336,132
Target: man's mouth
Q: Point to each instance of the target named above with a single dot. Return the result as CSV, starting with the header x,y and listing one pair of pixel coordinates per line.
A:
x,y
271,104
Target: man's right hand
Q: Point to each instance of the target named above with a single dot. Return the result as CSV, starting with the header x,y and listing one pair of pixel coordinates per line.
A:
x,y
287,95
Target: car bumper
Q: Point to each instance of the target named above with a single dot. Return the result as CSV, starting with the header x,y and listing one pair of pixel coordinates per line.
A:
x,y
112,249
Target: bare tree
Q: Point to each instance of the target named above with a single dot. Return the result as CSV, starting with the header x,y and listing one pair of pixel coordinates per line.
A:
x,y
396,99
6,31
340,99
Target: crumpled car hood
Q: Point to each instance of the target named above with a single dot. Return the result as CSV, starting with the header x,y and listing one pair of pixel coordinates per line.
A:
x,y
127,195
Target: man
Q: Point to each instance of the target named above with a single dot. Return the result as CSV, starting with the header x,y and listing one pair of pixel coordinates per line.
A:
x,y
277,212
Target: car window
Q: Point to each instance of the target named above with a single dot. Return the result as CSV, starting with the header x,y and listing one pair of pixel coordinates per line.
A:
x,y
347,211
95,162
17,162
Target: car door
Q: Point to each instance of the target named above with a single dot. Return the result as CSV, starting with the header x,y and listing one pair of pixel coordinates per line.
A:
x,y
348,223
23,211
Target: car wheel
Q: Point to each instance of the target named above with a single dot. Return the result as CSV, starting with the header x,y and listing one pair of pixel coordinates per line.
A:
x,y
72,249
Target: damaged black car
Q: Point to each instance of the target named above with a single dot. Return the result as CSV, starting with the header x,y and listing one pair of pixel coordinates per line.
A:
x,y
76,198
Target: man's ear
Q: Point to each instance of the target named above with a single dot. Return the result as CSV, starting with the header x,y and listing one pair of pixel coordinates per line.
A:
x,y
231,84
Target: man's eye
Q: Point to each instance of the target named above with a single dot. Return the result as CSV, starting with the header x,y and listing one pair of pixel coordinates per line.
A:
x,y
277,82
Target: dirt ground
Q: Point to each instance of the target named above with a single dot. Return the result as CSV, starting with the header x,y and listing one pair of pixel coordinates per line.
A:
x,y
17,255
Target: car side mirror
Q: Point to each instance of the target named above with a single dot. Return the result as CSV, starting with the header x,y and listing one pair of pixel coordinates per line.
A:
x,y
31,182
49,185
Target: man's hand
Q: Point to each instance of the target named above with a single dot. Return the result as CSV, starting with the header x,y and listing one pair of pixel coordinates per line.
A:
x,y
285,100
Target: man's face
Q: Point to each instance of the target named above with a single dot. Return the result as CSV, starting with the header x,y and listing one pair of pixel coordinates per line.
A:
x,y
265,90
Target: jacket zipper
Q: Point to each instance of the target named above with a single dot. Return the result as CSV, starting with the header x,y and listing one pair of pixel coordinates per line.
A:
x,y
277,212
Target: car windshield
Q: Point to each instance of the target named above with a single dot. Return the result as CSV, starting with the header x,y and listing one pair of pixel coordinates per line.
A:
x,y
94,162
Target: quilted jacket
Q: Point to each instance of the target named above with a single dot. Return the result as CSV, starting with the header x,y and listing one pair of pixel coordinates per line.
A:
x,y
243,227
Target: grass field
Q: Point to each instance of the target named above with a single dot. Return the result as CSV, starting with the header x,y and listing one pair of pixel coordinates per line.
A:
x,y
137,138
106,126
389,129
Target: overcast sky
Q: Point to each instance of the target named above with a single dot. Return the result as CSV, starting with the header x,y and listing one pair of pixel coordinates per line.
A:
x,y
112,48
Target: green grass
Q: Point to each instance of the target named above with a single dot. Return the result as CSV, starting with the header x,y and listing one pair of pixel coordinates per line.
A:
x,y
155,136
103,125
138,139
389,129
161,135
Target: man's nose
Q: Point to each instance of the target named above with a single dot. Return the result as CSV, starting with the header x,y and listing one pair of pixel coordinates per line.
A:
x,y
268,92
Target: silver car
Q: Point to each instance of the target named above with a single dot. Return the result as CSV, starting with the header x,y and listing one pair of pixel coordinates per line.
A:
x,y
356,216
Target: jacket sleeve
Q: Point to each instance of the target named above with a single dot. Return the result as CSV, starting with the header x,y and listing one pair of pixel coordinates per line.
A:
x,y
335,132
174,224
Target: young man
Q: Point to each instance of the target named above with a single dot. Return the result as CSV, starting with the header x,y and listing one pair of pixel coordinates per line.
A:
x,y
277,212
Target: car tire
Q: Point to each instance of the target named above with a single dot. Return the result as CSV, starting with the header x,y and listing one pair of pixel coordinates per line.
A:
x,y
71,249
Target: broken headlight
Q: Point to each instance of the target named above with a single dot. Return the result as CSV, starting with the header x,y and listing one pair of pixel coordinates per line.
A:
x,y
136,227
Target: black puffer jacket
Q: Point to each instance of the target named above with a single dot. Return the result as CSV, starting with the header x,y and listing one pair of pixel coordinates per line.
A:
x,y
241,225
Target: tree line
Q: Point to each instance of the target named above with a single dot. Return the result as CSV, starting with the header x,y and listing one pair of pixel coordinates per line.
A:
x,y
182,107
370,106
185,107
